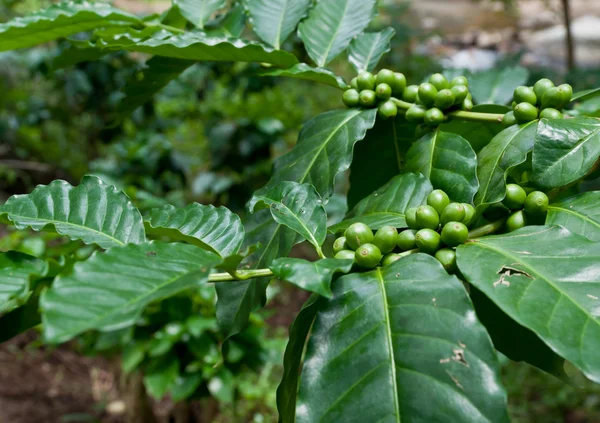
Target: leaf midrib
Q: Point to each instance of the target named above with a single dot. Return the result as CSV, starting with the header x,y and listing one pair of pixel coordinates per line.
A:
x,y
325,56
577,214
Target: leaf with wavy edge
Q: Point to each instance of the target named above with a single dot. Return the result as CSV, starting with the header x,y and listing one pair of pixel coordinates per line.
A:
x,y
311,276
16,270
304,71
111,289
198,12
367,49
332,24
274,20
411,349
546,279
387,205
579,214
211,228
60,20
93,212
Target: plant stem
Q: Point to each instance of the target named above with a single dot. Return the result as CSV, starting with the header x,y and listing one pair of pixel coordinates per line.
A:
x,y
490,228
459,114
240,275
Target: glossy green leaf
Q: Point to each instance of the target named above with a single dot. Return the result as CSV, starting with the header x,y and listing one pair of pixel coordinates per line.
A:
x,y
60,20
324,149
292,359
448,161
198,12
211,228
332,24
274,20
314,277
93,212
590,107
505,151
230,25
387,205
497,86
110,290
565,150
585,95
400,343
367,49
304,71
160,375
579,214
548,280
16,270
297,206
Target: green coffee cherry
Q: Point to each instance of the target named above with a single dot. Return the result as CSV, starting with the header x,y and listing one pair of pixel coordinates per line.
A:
x,y
428,241
439,81
541,86
515,197
385,239
410,93
467,104
415,113
433,117
390,258
387,110
383,91
551,113
427,93
447,257
358,234
367,98
454,233
351,97
525,112
365,81
438,199
427,217
444,99
406,240
385,76
525,95
345,255
367,256
460,93
567,93
453,212
509,119
553,97
410,215
399,84
354,83
458,81
536,204
516,221
469,213
340,244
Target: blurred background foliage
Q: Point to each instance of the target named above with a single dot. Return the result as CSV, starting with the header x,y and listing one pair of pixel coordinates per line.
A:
x,y
211,136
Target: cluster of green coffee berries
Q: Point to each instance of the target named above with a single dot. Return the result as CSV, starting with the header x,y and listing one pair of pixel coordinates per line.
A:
x,y
543,100
368,90
524,208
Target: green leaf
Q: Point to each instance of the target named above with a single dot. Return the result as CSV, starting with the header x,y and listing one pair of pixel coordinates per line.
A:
x,y
304,71
367,49
161,375
579,214
297,206
314,277
589,108
565,150
387,205
324,149
222,386
410,347
497,86
74,55
274,20
448,161
185,385
93,212
211,228
20,319
585,95
16,271
110,290
478,134
231,25
505,151
60,20
198,12
332,24
292,360
546,279
132,355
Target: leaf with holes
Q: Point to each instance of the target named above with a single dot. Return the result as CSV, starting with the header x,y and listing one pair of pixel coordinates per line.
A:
x,y
304,71
367,49
546,279
274,20
311,276
93,212
496,86
579,214
199,12
411,348
332,24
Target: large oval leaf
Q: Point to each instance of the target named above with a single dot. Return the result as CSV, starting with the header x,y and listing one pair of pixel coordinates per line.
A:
x,y
496,86
110,290
506,150
331,25
387,205
274,20
199,12
400,343
548,280
303,71
565,150
93,212
579,214
212,228
448,161
367,49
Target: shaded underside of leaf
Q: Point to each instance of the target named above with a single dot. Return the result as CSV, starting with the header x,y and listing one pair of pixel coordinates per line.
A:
x,y
304,71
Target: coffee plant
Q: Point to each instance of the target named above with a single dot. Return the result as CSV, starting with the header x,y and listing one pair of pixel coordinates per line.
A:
x,y
469,230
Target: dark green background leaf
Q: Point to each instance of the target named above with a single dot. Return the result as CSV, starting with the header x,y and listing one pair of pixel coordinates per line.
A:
x,y
314,277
